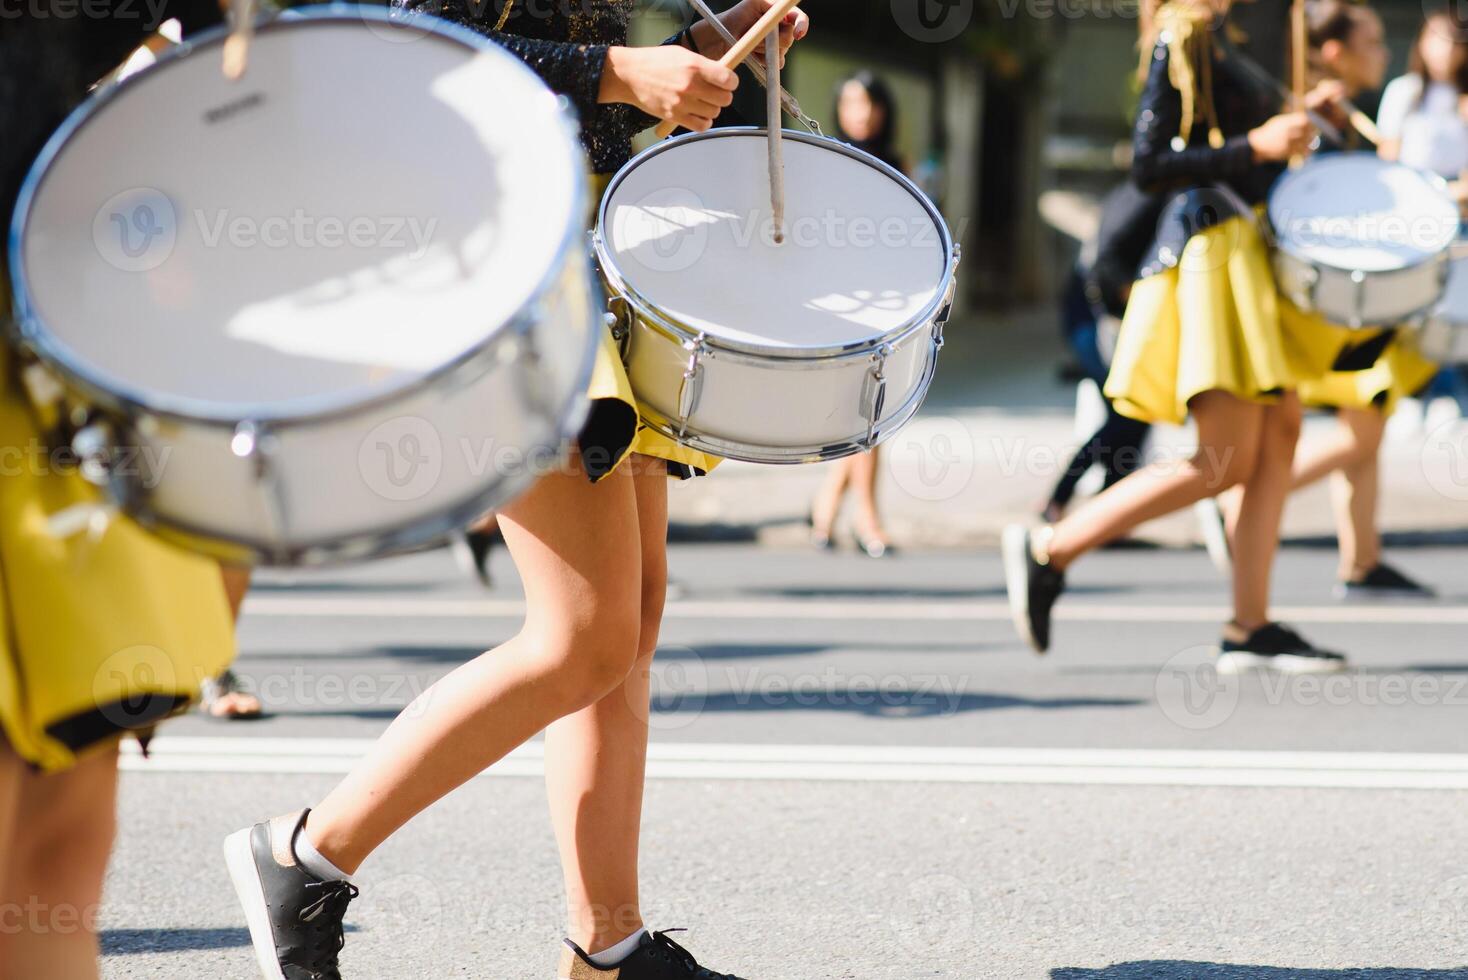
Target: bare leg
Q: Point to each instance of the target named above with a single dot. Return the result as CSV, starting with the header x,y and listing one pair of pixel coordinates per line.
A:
x,y
236,585
865,468
596,758
1256,534
60,839
1229,434
1355,491
579,553
828,501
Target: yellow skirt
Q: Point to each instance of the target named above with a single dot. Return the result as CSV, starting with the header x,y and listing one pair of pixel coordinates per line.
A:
x,y
1398,372
614,426
1215,322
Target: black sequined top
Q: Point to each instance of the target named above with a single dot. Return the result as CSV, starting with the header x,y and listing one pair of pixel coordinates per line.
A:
x,y
1160,163
565,42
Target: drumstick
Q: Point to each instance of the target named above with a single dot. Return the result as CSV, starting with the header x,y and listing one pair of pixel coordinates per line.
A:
x,y
755,68
745,46
237,45
774,135
1298,33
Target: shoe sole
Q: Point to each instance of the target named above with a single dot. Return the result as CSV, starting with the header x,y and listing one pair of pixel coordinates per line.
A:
x,y
1344,594
1238,663
1215,535
239,858
1013,545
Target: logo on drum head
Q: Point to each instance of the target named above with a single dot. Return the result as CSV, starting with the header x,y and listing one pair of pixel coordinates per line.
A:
x,y
933,21
136,230
401,459
666,231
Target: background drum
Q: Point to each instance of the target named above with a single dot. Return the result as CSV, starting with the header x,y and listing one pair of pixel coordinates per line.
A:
x,y
1360,240
332,310
812,349
1443,336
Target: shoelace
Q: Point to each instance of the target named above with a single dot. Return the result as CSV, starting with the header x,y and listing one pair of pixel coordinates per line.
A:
x,y
667,947
332,901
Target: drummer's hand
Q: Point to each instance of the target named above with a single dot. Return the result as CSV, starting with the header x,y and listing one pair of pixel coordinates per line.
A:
x,y
1282,137
670,82
1328,99
740,18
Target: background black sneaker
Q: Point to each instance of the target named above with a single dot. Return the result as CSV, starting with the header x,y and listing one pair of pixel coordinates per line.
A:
x,y
1276,647
295,918
1033,588
656,958
1383,581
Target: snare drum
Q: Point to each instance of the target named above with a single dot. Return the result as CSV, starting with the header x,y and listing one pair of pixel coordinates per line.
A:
x,y
330,311
1360,240
811,349
1443,336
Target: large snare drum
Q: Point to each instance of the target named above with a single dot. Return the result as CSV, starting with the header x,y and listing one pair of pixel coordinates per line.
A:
x,y
1360,240
326,312
776,353
1443,336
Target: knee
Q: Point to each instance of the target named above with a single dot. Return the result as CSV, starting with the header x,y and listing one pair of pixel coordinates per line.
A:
x,y
654,597
1222,467
65,848
593,653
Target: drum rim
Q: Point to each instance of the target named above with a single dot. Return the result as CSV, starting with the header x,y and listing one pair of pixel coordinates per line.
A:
x,y
678,331
1283,245
126,399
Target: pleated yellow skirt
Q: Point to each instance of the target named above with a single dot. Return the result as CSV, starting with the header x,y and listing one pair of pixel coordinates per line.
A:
x,y
614,427
100,634
1399,371
1215,322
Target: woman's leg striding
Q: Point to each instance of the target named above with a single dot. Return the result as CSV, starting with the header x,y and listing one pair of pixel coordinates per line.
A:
x,y
1354,492
1261,506
578,551
1229,432
596,758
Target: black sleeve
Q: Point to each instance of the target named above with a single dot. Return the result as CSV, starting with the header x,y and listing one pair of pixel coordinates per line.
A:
x,y
1156,164
1129,220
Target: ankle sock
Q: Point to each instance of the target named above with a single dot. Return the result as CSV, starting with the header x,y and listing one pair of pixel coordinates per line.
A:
x,y
613,955
313,860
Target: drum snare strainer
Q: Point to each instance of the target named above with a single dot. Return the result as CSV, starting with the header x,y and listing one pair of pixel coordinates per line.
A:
x,y
812,349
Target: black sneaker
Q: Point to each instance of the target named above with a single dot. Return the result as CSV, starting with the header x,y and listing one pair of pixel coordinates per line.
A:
x,y
472,549
295,918
656,958
1276,647
1383,581
1033,587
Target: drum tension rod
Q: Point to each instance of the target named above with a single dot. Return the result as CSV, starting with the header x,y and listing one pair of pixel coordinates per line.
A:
x,y
875,393
691,387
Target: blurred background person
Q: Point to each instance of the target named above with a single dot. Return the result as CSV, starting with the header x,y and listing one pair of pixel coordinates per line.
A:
x,y
866,117
1091,309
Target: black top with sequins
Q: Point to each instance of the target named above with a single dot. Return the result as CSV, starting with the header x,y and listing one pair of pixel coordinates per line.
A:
x,y
565,42
1161,162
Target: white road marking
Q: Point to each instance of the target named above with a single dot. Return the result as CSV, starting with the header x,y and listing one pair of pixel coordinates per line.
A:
x,y
871,763
386,605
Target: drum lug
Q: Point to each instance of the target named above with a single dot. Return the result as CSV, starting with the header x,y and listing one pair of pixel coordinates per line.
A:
x,y
92,444
690,389
1358,296
874,392
254,443
619,321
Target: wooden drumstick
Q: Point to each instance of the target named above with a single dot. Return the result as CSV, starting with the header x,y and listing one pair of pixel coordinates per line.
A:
x,y
745,46
774,135
237,45
1299,35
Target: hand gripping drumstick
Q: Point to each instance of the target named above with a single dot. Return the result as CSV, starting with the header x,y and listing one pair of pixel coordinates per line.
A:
x,y
755,68
746,45
237,45
774,135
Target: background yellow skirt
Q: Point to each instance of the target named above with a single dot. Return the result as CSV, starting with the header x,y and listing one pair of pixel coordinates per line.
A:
x,y
1215,321
1398,372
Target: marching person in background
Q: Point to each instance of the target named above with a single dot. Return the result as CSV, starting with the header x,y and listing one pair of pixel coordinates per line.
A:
x,y
102,633
590,542
1205,334
866,117
1094,302
1347,48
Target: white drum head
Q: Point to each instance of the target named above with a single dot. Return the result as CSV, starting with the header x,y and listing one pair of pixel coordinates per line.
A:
x,y
688,229
355,213
1355,211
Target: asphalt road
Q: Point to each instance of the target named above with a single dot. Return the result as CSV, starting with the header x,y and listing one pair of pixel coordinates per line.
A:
x,y
858,772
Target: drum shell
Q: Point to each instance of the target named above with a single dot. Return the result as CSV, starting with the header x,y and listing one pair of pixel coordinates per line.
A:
x,y
482,432
769,409
1361,300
